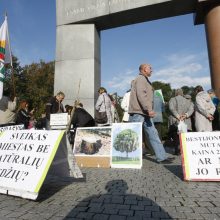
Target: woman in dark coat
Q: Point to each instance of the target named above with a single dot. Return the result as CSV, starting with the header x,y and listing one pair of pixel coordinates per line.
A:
x,y
23,115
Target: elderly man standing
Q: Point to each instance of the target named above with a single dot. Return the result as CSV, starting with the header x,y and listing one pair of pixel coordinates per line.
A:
x,y
141,110
54,105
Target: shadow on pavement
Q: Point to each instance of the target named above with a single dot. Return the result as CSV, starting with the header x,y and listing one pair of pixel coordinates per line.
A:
x,y
117,204
54,184
176,170
173,168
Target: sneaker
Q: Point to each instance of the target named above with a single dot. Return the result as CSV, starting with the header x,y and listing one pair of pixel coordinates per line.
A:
x,y
170,158
166,161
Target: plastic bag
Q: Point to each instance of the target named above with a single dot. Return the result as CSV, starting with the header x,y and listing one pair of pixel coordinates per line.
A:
x,y
182,127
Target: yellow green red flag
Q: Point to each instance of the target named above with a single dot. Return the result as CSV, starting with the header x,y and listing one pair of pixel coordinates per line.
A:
x,y
5,53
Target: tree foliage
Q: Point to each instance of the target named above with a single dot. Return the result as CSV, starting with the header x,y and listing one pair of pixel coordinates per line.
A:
x,y
126,141
34,83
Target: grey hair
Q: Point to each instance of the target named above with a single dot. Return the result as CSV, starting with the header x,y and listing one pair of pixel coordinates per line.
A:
x,y
178,92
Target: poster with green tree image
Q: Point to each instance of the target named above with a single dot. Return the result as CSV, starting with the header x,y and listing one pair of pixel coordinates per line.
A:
x,y
126,151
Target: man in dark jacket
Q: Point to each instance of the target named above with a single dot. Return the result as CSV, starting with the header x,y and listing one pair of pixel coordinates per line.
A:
x,y
81,118
54,105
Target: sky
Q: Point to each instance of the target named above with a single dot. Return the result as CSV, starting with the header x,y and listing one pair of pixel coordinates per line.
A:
x,y
175,47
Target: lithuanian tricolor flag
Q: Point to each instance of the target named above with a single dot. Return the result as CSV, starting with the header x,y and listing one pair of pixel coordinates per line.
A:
x,y
5,52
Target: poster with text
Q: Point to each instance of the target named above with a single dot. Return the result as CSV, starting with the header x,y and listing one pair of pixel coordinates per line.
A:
x,y
25,157
201,156
92,146
126,145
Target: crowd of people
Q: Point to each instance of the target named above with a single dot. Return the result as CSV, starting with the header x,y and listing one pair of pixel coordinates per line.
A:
x,y
140,104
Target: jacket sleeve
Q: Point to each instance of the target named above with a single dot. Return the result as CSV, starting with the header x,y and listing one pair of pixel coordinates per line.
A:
x,y
201,103
99,102
144,94
173,108
190,110
125,102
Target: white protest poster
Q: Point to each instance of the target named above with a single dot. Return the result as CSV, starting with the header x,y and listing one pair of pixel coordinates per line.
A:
x,y
201,156
59,120
126,151
25,158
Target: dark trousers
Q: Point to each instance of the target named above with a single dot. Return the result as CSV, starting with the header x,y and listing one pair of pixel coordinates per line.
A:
x,y
173,133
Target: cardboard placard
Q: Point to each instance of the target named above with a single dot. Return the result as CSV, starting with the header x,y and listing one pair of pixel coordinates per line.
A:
x,y
200,156
59,119
25,158
126,151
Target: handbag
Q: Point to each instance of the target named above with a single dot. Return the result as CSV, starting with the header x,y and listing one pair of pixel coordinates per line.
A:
x,y
101,117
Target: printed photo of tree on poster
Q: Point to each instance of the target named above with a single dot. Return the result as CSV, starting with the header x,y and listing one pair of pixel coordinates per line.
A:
x,y
126,145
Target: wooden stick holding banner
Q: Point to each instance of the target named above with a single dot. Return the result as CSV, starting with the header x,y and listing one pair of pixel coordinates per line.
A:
x,y
75,171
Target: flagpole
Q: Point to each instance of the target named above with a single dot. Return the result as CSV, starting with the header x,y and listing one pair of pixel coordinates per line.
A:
x,y
11,62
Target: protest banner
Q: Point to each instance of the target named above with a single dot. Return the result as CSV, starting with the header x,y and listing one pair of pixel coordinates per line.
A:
x,y
201,156
25,158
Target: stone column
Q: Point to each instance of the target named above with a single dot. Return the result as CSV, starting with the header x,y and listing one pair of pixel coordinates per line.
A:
x,y
77,67
212,25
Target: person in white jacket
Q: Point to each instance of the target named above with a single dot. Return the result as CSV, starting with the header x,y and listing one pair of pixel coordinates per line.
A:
x,y
125,105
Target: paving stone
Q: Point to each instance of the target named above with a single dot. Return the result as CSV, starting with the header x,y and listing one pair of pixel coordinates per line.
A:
x,y
215,210
201,210
84,215
143,213
117,217
194,216
126,212
210,216
100,217
184,209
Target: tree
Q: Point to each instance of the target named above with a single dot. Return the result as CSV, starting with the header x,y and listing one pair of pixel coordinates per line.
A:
x,y
39,84
126,141
34,83
165,87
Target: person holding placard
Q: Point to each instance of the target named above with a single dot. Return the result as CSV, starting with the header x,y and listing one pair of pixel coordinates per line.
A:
x,y
54,105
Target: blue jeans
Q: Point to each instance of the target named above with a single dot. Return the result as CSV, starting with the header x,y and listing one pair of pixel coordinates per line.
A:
x,y
151,134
